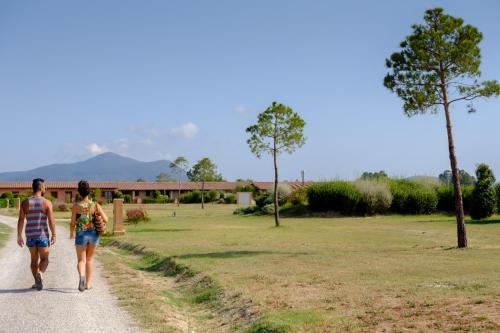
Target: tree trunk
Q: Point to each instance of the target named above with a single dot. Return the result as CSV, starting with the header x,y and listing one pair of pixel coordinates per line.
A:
x,y
179,195
202,198
276,203
459,206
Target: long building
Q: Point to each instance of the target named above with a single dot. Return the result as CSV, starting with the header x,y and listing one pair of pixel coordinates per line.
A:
x,y
65,192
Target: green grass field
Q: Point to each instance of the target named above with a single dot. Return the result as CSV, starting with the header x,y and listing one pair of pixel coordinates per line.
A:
x,y
335,274
4,234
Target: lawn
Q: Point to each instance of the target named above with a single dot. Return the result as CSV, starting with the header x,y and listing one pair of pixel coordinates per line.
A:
x,y
336,274
4,234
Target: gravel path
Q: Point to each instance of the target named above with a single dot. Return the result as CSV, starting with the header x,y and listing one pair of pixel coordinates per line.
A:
x,y
59,307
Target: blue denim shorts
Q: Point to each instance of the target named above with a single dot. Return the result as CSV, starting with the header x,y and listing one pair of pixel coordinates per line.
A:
x,y
40,242
89,237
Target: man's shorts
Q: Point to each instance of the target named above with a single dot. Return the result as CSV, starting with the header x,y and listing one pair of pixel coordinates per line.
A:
x,y
84,238
40,242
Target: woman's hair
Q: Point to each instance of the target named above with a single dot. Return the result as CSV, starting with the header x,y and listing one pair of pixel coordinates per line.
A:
x,y
83,188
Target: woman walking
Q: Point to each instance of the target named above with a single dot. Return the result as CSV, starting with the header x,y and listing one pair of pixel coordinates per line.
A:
x,y
85,215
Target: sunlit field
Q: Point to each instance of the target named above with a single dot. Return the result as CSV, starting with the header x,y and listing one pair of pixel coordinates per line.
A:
x,y
323,274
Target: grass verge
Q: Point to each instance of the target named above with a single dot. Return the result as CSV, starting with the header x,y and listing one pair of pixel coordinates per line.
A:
x,y
180,299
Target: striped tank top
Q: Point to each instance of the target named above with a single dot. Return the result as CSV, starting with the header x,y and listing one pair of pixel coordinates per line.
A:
x,y
36,219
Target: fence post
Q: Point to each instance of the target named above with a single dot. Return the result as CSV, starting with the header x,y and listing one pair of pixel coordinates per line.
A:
x,y
118,228
18,204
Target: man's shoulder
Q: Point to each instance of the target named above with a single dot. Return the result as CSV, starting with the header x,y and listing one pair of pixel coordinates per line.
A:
x,y
47,202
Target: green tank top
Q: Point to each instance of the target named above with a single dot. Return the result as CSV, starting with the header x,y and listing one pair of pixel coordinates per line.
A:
x,y
85,217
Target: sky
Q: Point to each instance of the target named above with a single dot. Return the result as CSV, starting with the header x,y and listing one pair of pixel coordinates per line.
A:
x,y
159,79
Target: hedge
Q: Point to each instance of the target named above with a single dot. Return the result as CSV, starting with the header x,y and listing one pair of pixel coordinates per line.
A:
x,y
338,196
412,198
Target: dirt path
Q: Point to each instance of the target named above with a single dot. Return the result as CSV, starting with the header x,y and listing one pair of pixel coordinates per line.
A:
x,y
60,307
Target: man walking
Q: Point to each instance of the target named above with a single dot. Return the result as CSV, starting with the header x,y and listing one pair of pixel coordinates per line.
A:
x,y
39,218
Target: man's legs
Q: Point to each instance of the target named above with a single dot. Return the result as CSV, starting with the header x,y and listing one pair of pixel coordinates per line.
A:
x,y
43,252
34,260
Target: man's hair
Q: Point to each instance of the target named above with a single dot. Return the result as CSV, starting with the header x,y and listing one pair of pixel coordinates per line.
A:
x,y
83,188
37,184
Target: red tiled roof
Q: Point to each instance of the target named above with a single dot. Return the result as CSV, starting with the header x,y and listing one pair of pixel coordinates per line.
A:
x,y
151,186
129,186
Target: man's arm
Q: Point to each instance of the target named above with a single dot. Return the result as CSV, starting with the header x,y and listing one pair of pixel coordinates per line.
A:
x,y
20,224
52,222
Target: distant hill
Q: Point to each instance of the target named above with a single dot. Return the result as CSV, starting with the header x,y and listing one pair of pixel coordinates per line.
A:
x,y
104,167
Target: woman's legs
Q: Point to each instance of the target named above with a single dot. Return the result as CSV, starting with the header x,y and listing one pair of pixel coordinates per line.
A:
x,y
82,259
89,264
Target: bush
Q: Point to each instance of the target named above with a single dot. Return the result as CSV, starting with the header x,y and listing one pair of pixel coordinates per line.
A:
x,y
7,195
376,197
409,197
148,200
446,197
467,197
229,198
212,195
137,215
127,198
6,203
339,196
267,209
484,197
191,197
117,195
264,198
284,192
497,190
298,197
246,210
62,208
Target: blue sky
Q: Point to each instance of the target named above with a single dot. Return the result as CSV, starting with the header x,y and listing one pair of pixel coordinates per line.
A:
x,y
158,79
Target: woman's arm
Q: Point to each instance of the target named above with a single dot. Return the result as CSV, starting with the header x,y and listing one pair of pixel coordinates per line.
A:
x,y
101,213
73,222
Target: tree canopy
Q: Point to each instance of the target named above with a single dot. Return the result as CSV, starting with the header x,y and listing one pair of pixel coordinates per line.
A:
x,y
204,171
442,52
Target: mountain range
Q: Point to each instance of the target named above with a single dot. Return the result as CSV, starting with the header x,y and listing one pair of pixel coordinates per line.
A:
x,y
103,167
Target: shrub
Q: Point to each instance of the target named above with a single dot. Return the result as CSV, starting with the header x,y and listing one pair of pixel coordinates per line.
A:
x,y
497,190
212,195
446,197
5,203
62,208
127,198
246,210
191,197
267,209
7,195
410,197
376,197
298,197
284,192
264,198
229,198
117,195
484,197
340,196
245,188
137,215
467,197
148,200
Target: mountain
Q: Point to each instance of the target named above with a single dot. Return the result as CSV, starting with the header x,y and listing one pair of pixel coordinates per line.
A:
x,y
104,167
